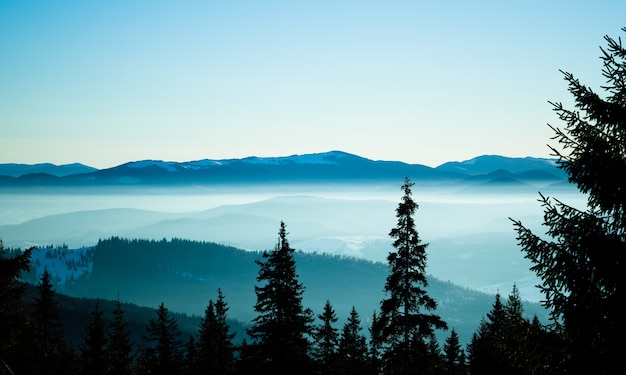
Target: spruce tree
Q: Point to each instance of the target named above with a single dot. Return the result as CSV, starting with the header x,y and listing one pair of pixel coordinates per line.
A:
x,y
403,326
119,350
191,357
51,352
582,261
352,350
454,355
494,344
375,345
92,351
14,347
280,331
326,338
165,354
215,346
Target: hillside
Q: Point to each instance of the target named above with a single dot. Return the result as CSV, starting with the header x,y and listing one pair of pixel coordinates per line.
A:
x,y
75,314
147,273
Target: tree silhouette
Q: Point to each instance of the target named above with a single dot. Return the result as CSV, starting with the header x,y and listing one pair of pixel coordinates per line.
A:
x,y
280,330
454,355
215,346
353,347
119,350
14,346
326,338
47,328
484,350
582,265
165,356
403,326
92,351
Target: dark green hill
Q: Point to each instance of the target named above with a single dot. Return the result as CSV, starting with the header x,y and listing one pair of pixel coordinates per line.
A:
x,y
75,313
186,274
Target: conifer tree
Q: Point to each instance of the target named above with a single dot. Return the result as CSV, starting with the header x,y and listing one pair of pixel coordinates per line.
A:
x,y
352,347
403,326
191,357
280,331
583,261
215,342
375,345
13,317
51,352
119,350
14,348
495,344
485,349
454,355
165,355
326,338
92,351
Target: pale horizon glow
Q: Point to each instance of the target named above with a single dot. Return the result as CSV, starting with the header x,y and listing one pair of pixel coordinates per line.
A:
x,y
106,82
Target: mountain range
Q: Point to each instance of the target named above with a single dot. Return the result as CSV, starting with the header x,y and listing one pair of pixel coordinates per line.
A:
x,y
333,166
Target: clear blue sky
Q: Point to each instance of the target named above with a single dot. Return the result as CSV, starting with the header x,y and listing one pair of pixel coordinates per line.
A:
x,y
105,82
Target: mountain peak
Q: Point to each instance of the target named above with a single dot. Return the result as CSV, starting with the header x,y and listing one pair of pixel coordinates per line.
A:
x,y
485,164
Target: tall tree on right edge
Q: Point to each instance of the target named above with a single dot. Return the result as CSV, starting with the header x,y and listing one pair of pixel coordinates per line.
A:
x,y
280,331
404,328
583,265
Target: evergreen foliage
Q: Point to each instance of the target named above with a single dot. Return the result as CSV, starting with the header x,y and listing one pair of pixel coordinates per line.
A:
x,y
190,362
375,344
485,354
165,353
119,350
353,352
13,317
92,358
454,355
215,342
506,342
281,329
326,339
582,264
50,350
404,328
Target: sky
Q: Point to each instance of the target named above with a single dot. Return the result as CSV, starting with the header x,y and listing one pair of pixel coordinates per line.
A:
x,y
107,82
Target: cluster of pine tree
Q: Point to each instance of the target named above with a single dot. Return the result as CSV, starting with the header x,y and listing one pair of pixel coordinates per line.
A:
x,y
581,268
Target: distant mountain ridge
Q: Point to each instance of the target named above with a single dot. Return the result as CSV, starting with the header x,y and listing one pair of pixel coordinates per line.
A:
x,y
333,166
17,170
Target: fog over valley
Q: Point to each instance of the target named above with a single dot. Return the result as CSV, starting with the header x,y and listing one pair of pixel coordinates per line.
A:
x,y
472,241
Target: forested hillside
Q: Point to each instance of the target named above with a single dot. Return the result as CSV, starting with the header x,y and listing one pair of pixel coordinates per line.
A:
x,y
185,274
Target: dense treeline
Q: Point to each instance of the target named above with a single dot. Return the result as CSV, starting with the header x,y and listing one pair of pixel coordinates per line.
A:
x,y
581,268
160,341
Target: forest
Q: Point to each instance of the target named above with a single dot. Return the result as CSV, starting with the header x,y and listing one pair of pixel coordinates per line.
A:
x,y
579,260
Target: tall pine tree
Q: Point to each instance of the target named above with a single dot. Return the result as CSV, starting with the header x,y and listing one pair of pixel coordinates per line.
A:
x,y
582,265
280,331
404,327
